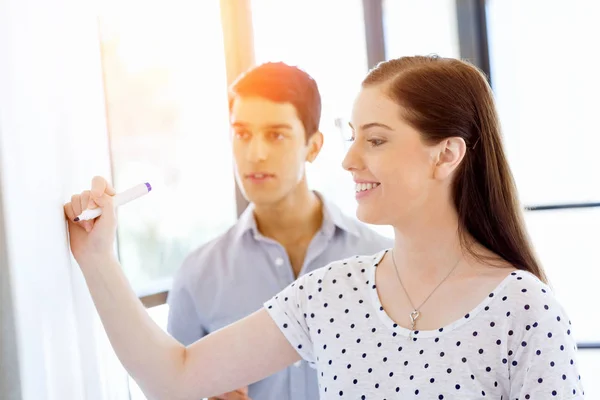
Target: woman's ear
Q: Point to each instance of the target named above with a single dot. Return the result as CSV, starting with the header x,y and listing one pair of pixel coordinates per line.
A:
x,y
450,153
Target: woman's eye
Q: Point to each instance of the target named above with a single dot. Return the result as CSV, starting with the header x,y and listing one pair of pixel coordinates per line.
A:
x,y
376,142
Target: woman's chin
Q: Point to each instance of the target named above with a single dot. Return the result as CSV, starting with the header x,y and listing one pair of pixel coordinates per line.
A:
x,y
368,215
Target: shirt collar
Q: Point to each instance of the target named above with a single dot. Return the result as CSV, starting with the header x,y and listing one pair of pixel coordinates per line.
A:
x,y
333,218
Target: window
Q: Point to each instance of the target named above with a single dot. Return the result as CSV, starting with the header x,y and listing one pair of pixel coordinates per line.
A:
x,y
327,40
567,244
165,82
420,28
546,82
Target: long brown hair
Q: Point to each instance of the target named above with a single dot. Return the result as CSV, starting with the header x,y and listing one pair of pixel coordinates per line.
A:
x,y
443,98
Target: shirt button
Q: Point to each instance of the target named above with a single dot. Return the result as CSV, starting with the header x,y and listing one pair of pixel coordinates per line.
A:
x,y
279,261
297,364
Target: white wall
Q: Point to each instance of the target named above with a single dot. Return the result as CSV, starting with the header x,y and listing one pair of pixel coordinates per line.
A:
x,y
52,141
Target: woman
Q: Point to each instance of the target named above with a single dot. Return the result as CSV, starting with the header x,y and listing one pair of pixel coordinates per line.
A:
x,y
458,308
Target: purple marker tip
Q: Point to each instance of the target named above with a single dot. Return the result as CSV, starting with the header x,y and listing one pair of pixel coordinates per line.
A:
x,y
148,186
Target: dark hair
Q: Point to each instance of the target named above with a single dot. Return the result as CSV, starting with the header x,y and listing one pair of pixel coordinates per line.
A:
x,y
281,83
442,98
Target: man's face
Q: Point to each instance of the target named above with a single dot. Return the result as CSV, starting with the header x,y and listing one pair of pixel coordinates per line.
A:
x,y
269,147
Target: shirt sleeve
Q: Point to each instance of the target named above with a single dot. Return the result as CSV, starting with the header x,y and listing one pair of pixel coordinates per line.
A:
x,y
544,364
288,310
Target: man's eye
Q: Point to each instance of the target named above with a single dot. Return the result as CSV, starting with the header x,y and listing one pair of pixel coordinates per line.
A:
x,y
276,135
242,134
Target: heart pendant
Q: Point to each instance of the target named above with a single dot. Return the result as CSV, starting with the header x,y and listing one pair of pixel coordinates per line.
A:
x,y
414,316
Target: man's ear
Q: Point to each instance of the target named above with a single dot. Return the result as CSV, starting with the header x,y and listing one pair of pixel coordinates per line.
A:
x,y
315,144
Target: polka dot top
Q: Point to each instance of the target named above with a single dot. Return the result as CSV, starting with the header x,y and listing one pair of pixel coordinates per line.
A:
x,y
516,344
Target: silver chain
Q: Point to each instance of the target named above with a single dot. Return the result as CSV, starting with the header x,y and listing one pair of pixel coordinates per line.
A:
x,y
414,315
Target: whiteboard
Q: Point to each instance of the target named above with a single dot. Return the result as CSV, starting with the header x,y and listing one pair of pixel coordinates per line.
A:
x,y
53,139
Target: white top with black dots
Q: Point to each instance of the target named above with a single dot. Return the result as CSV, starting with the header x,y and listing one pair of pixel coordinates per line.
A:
x,y
516,344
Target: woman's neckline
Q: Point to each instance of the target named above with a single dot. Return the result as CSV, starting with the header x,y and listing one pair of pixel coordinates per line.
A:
x,y
402,331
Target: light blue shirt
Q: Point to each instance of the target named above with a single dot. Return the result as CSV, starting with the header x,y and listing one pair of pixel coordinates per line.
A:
x,y
235,274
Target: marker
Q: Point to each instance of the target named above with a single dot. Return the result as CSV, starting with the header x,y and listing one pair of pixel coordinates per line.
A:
x,y
118,200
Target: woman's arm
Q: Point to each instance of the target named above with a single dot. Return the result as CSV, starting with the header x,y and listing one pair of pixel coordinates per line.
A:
x,y
233,357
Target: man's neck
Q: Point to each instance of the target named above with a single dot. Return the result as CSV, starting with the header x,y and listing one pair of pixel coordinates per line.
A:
x,y
297,216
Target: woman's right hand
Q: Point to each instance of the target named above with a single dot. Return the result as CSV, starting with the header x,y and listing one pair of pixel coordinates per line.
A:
x,y
94,239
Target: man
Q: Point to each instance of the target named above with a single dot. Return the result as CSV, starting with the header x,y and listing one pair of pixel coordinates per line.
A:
x,y
287,231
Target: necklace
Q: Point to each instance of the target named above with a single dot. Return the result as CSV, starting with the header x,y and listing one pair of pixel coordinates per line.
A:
x,y
416,313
